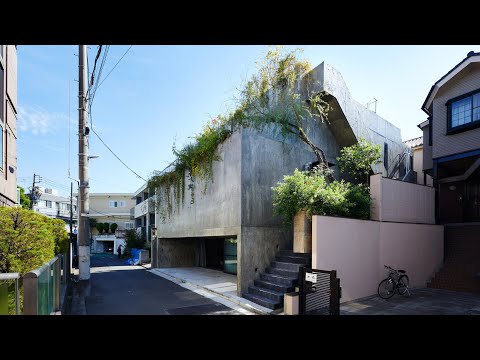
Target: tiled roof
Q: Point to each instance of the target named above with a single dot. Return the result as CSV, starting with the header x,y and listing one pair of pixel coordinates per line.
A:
x,y
414,142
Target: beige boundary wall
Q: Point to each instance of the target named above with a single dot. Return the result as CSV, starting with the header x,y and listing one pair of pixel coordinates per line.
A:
x,y
398,201
358,249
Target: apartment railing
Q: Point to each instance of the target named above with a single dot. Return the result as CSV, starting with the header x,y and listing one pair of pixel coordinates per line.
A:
x,y
5,279
41,289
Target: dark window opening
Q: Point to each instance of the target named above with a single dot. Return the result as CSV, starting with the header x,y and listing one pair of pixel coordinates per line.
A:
x,y
430,131
385,155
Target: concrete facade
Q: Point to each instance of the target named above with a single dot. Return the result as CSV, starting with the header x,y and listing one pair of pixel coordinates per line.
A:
x,y
359,249
238,202
8,125
398,201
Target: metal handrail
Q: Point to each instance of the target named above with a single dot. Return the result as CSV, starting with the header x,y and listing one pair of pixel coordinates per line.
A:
x,y
16,277
396,163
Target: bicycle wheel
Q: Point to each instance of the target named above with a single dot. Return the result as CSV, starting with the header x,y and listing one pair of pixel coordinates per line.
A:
x,y
386,289
402,285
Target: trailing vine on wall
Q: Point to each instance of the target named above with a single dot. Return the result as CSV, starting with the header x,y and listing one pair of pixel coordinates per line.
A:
x,y
195,160
272,96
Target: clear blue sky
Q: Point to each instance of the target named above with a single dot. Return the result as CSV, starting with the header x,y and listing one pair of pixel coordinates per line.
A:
x,y
161,94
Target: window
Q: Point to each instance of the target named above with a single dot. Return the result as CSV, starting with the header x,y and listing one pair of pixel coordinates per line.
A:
x,y
117,203
385,155
430,123
129,225
2,95
464,112
48,204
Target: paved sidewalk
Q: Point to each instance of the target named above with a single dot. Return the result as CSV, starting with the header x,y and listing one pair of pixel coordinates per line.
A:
x,y
422,301
217,285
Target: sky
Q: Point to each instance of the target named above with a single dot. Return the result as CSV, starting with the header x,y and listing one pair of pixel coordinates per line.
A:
x,y
160,95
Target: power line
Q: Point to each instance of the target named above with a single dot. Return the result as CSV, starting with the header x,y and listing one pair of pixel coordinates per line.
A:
x,y
105,78
101,213
103,142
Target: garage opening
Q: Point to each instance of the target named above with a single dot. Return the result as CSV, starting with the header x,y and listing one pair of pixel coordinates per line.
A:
x,y
218,254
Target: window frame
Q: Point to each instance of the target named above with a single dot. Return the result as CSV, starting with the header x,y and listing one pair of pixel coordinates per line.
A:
x,y
465,127
131,223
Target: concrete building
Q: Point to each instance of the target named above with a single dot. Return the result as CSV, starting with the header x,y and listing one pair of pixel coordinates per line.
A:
x,y
144,212
8,125
49,203
451,156
416,146
110,208
231,227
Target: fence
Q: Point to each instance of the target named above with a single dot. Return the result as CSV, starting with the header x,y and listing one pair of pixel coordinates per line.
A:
x,y
320,292
4,292
42,289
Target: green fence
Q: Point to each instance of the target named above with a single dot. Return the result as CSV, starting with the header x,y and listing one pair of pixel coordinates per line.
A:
x,y
42,289
6,282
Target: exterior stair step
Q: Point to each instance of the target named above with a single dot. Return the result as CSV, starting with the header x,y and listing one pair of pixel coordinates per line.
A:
x,y
268,303
286,266
277,279
269,294
272,286
293,259
282,272
291,253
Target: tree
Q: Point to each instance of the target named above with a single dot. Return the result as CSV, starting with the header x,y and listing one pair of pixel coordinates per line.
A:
x,y
106,227
27,240
282,93
24,200
357,160
113,227
99,227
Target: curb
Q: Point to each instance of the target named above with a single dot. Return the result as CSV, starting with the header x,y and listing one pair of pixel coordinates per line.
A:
x,y
233,300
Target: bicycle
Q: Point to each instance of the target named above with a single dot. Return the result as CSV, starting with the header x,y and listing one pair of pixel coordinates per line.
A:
x,y
397,280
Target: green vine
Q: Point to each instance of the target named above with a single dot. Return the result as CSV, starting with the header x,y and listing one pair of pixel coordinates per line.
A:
x,y
194,160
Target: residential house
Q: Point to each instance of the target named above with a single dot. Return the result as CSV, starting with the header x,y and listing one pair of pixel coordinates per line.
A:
x,y
8,125
110,208
49,203
416,146
231,226
144,212
451,156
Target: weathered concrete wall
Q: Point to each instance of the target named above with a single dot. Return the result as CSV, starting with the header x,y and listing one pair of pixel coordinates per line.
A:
x,y
217,212
265,160
351,120
359,249
398,201
176,253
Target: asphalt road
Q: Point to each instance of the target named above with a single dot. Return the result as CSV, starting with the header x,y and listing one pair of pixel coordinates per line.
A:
x,y
119,289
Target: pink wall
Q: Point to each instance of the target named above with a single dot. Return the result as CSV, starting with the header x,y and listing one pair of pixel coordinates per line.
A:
x,y
358,249
398,201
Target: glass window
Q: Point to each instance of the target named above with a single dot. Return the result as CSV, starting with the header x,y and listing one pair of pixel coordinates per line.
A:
x,y
465,111
48,203
112,204
129,225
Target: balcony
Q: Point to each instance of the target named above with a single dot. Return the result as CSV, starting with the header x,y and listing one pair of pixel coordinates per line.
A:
x,y
143,208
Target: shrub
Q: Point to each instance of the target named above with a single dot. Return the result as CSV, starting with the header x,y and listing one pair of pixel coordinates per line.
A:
x,y
99,227
296,192
311,192
106,227
27,239
132,241
356,160
113,227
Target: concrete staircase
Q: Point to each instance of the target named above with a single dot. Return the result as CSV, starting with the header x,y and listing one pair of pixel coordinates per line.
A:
x,y
279,278
461,268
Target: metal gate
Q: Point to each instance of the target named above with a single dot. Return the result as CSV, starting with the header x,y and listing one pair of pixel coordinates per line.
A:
x,y
320,292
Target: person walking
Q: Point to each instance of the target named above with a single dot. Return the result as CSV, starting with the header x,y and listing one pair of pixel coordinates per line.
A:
x,y
119,251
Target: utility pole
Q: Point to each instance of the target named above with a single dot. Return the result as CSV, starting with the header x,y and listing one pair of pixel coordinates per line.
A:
x,y
83,235
33,192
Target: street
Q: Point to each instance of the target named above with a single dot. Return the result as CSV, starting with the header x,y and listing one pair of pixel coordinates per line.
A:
x,y
119,289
